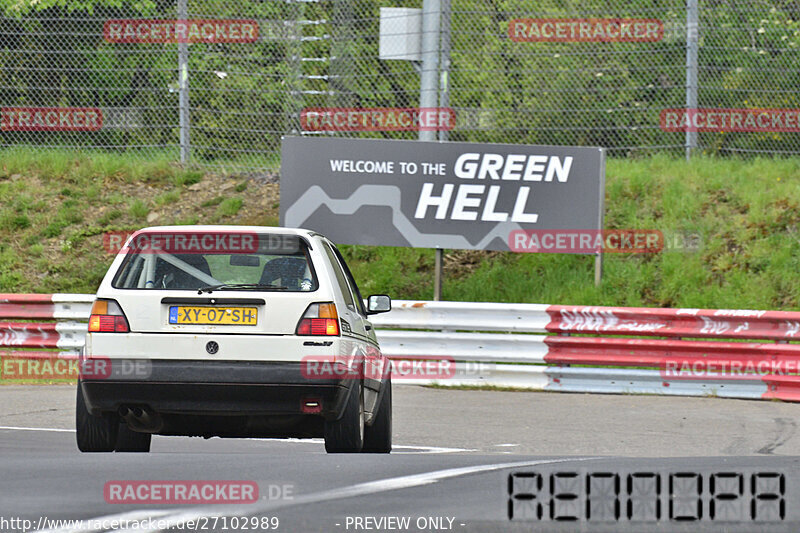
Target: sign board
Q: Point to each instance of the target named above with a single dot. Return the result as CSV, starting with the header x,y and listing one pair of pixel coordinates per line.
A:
x,y
438,195
400,34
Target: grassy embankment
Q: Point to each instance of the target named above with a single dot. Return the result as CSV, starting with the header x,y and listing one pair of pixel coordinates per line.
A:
x,y
55,206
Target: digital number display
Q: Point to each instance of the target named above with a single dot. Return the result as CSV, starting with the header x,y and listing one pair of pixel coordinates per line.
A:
x,y
680,496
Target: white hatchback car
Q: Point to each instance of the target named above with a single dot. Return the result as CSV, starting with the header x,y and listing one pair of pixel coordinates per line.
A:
x,y
232,331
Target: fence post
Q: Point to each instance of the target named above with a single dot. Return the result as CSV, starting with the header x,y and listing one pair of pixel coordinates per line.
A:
x,y
183,88
428,90
692,38
429,96
444,101
444,64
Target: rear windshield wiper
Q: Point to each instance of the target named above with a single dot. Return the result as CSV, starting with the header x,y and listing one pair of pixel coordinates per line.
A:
x,y
241,286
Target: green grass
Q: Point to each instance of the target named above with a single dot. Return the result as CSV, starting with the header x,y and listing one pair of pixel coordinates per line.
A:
x,y
229,207
169,197
745,215
138,209
109,217
213,201
71,168
55,206
187,178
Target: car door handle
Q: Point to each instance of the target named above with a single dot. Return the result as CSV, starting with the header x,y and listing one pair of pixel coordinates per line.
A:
x,y
368,326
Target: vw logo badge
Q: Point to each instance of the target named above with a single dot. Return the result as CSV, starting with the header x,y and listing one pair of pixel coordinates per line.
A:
x,y
212,347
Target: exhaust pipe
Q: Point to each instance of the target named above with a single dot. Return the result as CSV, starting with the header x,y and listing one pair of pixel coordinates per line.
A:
x,y
151,421
141,419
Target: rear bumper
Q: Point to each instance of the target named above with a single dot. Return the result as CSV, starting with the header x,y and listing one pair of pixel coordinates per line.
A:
x,y
218,388
193,347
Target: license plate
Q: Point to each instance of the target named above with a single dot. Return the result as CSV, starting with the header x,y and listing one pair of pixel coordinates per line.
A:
x,y
228,316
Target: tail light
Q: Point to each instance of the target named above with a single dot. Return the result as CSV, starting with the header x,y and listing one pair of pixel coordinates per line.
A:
x,y
107,317
319,319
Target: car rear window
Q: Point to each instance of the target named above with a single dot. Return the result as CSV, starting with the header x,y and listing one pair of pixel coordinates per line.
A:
x,y
190,261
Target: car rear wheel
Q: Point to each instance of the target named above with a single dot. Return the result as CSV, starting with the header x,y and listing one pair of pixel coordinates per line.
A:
x,y
378,436
132,441
346,435
93,433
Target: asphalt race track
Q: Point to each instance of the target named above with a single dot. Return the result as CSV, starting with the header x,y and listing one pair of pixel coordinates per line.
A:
x,y
456,455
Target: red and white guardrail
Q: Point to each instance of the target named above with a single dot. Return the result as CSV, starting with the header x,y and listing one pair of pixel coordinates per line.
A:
x,y
551,347
23,328
62,312
571,356
539,318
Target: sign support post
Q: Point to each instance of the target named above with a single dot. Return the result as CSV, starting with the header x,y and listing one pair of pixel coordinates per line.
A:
x,y
601,210
601,200
437,274
598,269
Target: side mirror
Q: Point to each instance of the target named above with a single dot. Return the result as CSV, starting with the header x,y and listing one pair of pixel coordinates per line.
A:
x,y
378,303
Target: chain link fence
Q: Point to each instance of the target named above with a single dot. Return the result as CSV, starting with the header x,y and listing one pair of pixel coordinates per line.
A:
x,y
218,83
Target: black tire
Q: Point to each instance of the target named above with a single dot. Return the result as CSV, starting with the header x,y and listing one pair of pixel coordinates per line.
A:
x,y
132,441
378,436
346,435
93,433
